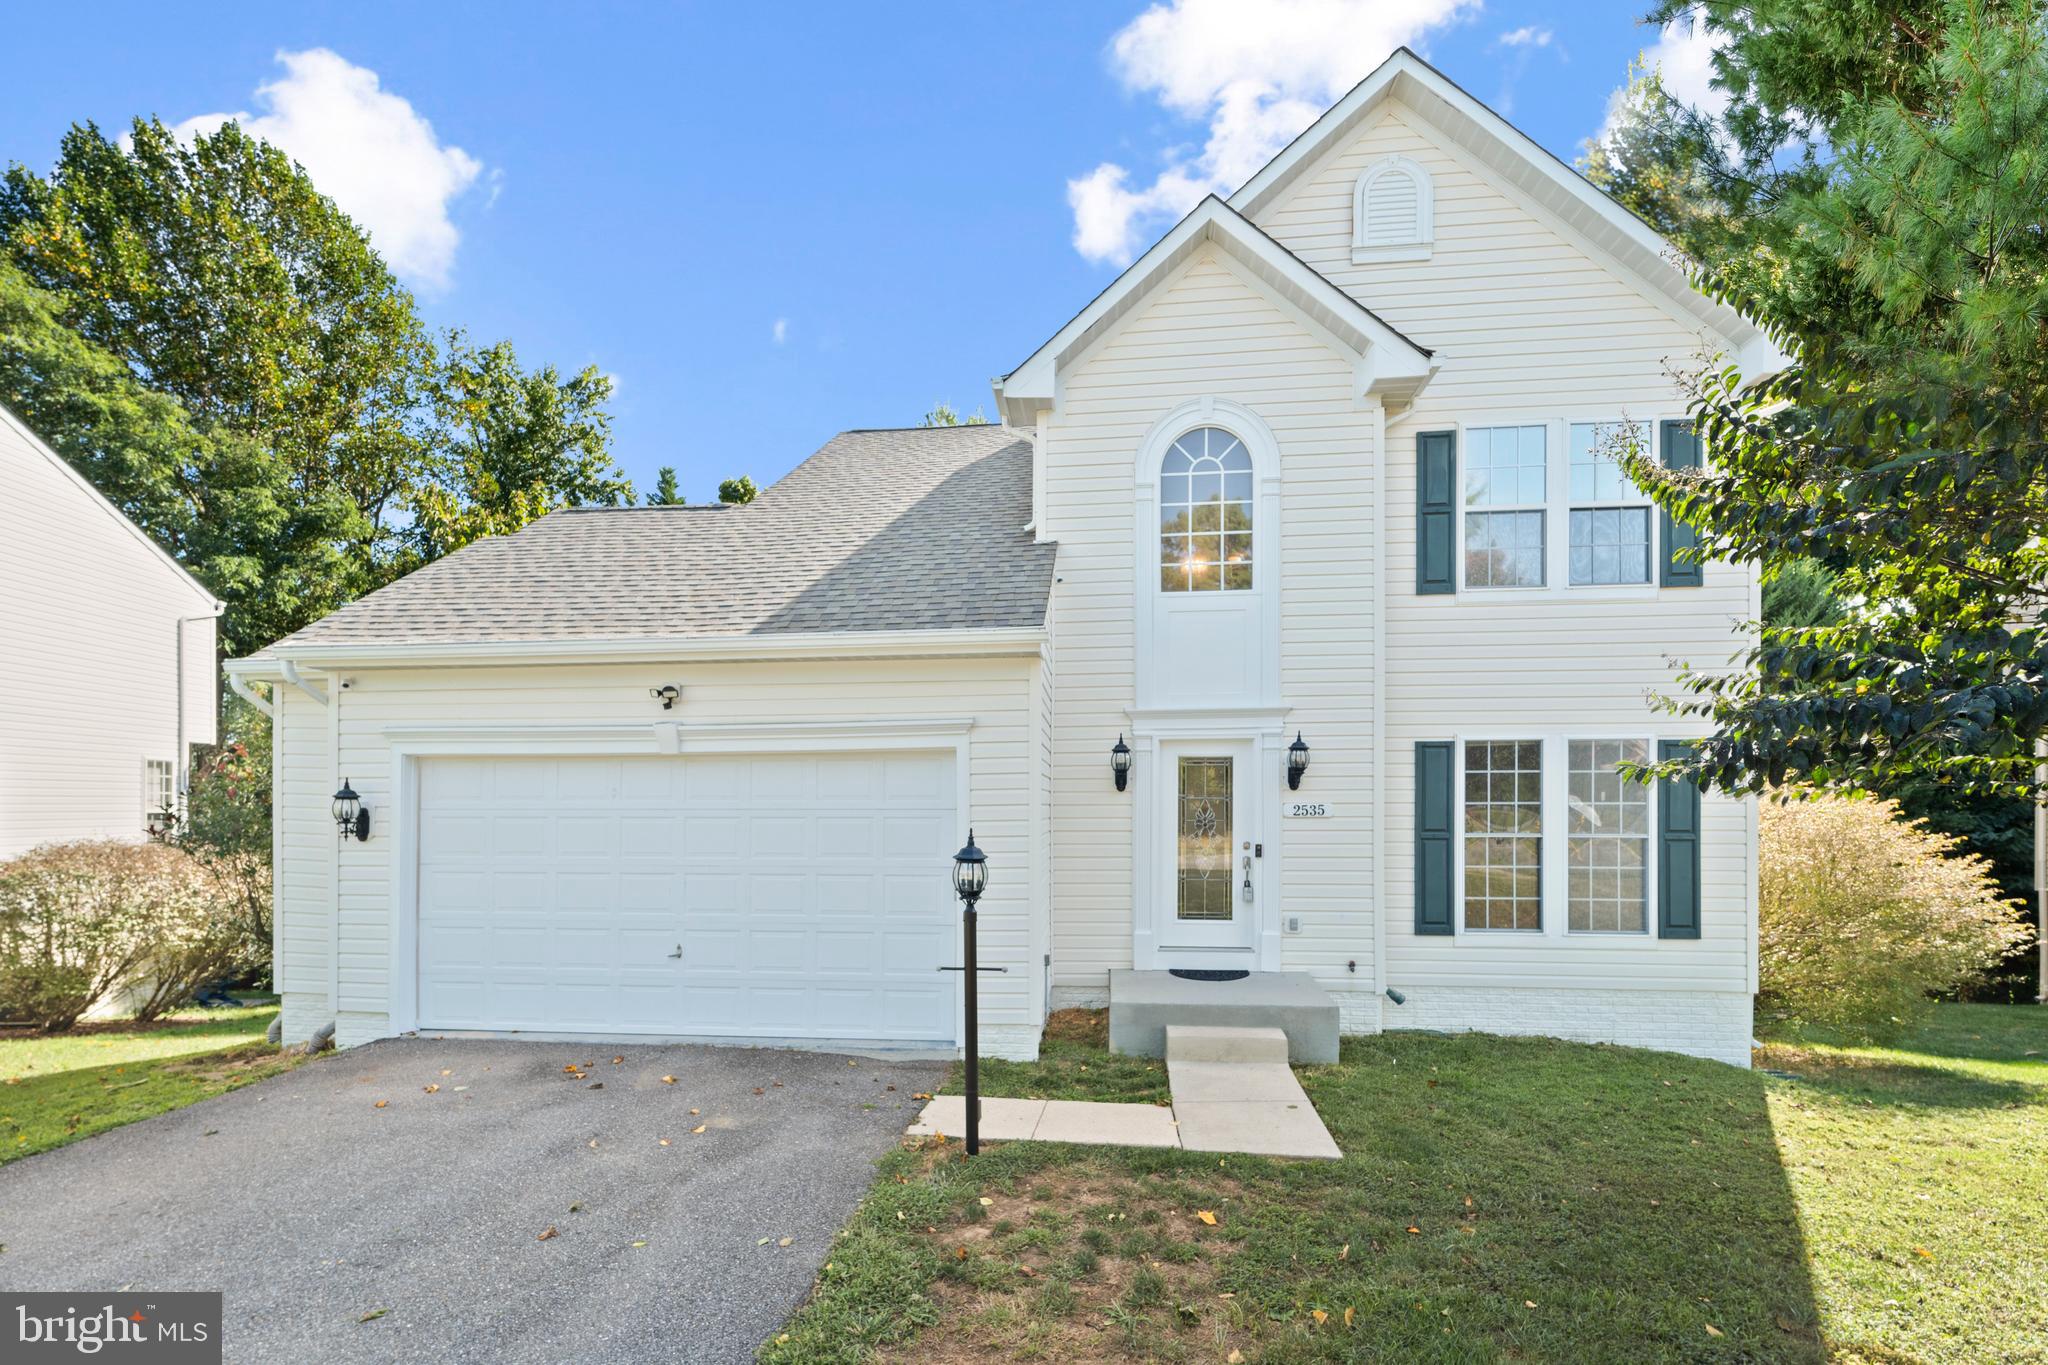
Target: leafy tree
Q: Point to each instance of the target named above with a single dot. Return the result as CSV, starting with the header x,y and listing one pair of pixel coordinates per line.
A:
x,y
1801,594
513,445
1875,185
943,415
227,828
665,493
740,490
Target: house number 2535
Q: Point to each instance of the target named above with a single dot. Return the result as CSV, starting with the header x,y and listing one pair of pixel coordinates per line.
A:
x,y
1304,810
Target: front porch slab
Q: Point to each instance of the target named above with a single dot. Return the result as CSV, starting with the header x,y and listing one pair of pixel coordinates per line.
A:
x,y
1142,1005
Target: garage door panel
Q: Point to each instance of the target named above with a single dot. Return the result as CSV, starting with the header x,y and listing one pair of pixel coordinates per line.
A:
x,y
810,895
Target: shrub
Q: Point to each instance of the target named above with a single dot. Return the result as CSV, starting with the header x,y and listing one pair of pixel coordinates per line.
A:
x,y
1864,916
81,921
227,827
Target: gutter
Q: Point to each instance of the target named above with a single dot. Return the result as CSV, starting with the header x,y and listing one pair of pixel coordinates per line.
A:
x,y
239,685
290,671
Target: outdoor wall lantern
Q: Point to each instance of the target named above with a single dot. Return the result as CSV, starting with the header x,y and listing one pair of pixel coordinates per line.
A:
x,y
970,879
1297,762
350,816
666,694
1120,763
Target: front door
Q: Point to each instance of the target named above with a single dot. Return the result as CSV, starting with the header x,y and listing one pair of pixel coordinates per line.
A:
x,y
1206,907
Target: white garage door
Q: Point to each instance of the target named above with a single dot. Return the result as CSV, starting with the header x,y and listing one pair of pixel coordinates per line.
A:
x,y
788,896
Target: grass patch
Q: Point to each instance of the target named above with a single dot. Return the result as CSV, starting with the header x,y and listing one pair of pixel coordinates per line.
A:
x,y
55,1090
1518,1199
1074,1063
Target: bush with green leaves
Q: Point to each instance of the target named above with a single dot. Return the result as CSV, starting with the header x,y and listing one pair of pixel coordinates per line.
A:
x,y
1865,916
83,922
227,827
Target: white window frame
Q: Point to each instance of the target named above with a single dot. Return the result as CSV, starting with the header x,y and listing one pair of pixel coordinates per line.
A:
x,y
1548,511
1556,509
1637,499
1554,905
159,787
1252,500
1419,247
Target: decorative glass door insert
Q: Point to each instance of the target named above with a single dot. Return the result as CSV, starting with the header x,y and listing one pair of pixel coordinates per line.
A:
x,y
1204,832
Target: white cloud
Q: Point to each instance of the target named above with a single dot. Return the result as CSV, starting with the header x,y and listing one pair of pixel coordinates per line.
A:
x,y
1258,74
1683,58
780,331
1529,35
369,151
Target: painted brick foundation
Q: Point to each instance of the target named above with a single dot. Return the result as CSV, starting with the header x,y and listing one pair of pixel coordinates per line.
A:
x,y
1714,1024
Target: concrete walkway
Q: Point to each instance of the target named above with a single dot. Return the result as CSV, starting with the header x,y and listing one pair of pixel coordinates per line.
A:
x,y
1232,1092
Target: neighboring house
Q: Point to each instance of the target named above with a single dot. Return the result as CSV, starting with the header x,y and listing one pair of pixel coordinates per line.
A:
x,y
107,667
1324,462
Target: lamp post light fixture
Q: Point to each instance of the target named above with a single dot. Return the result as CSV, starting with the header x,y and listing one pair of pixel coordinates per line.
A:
x,y
970,879
1120,763
1297,762
350,816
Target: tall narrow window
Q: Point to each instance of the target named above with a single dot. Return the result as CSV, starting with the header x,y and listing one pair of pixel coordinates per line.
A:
x,y
159,786
1506,476
1205,514
1607,845
1610,518
1504,834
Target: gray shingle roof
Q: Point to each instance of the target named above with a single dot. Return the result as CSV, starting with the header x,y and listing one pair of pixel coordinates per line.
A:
x,y
919,529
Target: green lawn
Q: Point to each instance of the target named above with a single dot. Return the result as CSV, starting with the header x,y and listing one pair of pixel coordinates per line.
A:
x,y
1500,1199
59,1089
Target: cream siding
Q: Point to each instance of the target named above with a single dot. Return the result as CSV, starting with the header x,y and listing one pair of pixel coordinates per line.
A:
x,y
1527,326
1210,333
996,694
90,686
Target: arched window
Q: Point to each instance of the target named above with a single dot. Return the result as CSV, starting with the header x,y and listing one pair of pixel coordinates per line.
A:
x,y
1392,212
1205,513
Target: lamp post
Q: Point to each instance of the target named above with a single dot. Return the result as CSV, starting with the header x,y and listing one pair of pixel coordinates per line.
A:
x,y
970,879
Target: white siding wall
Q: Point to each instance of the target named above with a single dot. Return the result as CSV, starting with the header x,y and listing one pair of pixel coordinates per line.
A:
x,y
1208,333
89,686
303,781
1527,326
998,694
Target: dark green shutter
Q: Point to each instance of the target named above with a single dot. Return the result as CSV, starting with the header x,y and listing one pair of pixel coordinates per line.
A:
x,y
1678,850
1436,503
1681,451
1433,826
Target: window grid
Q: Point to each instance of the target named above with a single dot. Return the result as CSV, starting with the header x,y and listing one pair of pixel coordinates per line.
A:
x,y
1504,834
1507,471
1205,514
1610,544
1607,845
159,786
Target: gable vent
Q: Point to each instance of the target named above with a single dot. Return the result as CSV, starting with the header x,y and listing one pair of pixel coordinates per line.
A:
x,y
1392,212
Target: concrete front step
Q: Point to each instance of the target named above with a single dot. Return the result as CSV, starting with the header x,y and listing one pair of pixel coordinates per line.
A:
x,y
1143,1005
1208,1043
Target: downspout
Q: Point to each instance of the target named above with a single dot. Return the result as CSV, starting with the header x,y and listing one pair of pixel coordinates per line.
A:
x,y
240,687
184,788
1380,588
291,675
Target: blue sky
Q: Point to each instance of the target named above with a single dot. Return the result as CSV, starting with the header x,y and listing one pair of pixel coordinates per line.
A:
x,y
772,224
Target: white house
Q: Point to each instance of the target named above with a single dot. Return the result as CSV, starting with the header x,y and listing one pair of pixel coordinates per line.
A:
x,y
1324,463
107,667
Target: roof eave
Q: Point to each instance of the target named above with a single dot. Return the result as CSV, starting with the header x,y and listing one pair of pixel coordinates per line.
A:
x,y
1025,641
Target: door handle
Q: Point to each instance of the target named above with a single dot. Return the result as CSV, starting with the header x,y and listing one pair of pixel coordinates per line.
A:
x,y
1247,890
678,952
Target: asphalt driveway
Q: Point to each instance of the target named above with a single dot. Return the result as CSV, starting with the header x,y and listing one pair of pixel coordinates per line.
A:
x,y
312,1209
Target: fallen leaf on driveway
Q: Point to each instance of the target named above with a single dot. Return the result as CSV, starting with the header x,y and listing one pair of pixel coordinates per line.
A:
x,y
763,1242
576,1207
380,1104
785,1241
668,1080
664,1142
447,1073
430,1089
571,1068
597,1085
373,1315
760,1090
700,1128
549,1233
639,1244
593,1142
696,1111
617,1060
1206,1216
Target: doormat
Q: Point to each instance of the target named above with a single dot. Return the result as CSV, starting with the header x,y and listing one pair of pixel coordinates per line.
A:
x,y
1206,974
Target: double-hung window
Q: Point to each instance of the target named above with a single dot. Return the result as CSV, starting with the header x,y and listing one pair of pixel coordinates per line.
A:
x,y
1553,821
1507,473
159,786
1607,841
1610,518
